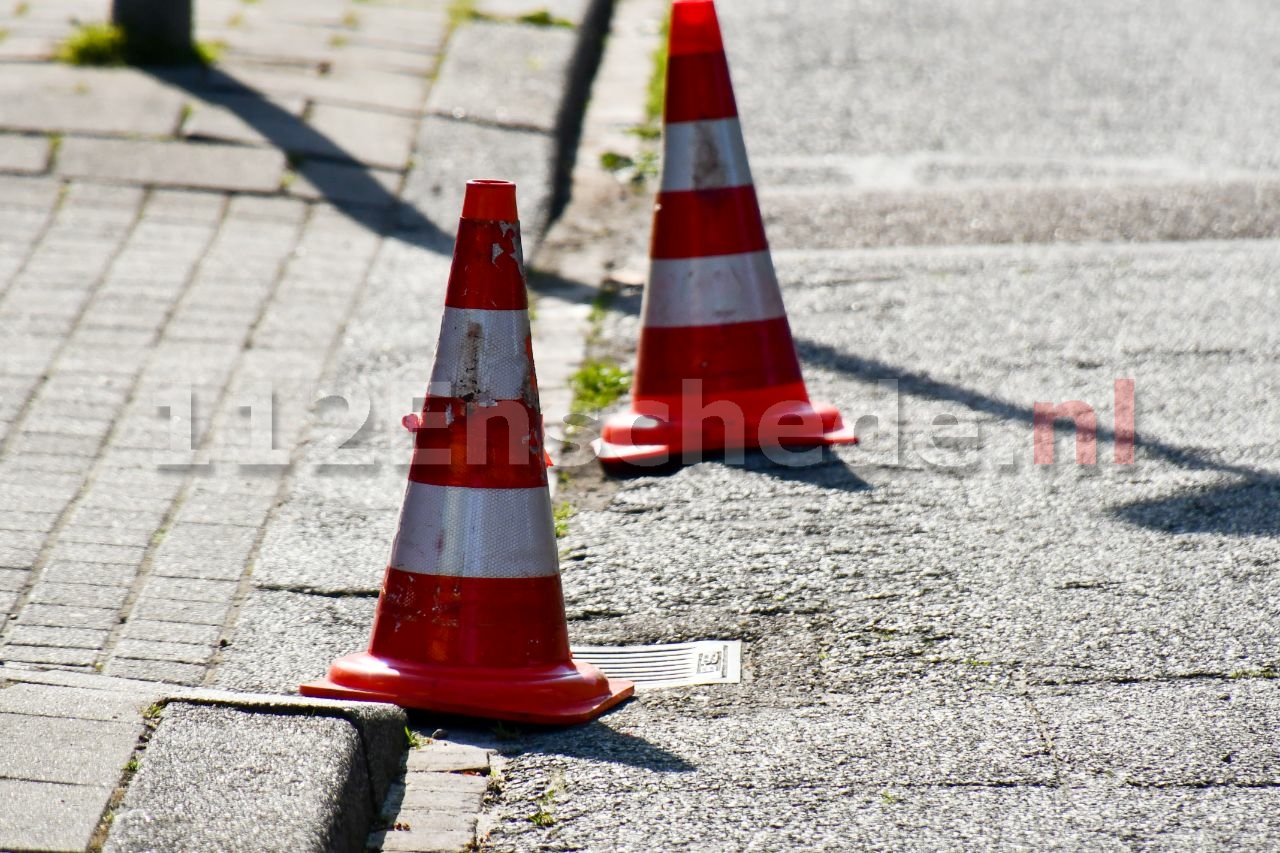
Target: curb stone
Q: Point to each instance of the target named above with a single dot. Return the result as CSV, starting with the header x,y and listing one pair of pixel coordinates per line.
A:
x,y
262,776
353,754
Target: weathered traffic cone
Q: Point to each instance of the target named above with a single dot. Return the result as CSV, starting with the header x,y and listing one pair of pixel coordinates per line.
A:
x,y
717,368
471,617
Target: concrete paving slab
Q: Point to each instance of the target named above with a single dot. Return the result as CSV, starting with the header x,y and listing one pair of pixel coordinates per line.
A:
x,y
248,118
317,180
222,167
51,98
372,138
449,155
28,193
78,703
528,89
24,154
415,840
361,87
49,816
91,752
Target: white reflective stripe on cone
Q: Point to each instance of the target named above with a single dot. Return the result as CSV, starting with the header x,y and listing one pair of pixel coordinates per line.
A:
x,y
476,533
482,353
712,291
704,155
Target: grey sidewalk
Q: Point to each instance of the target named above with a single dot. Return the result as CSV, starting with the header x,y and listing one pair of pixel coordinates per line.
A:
x,y
190,263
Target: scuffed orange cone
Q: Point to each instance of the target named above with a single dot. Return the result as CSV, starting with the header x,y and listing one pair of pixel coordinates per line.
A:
x,y
471,618
717,368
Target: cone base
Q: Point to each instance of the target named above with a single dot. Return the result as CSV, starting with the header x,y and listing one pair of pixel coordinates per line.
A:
x,y
633,439
556,695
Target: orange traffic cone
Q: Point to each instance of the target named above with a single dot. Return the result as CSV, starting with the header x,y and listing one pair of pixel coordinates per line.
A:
x,y
717,368
471,618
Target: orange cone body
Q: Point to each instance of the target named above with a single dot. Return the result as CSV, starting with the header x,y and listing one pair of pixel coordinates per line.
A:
x,y
471,617
717,367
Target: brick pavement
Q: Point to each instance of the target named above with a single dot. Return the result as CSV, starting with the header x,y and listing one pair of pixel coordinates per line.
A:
x,y
183,257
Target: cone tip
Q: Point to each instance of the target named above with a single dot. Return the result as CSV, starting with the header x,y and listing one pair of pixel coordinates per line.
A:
x,y
490,199
694,28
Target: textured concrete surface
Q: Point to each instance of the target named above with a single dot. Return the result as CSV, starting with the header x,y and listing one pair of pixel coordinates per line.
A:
x,y
947,646
470,89
214,779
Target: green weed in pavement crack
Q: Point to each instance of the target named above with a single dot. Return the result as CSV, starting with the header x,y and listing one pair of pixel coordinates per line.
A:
x,y
612,161
542,815
598,384
544,18
94,44
561,514
106,45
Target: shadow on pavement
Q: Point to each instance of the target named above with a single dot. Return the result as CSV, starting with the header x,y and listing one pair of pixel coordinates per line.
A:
x,y
353,191
921,385
597,742
822,467
1250,508
816,466
593,741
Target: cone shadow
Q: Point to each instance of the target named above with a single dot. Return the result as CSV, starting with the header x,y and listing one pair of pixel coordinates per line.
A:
x,y
826,470
594,741
1249,508
817,466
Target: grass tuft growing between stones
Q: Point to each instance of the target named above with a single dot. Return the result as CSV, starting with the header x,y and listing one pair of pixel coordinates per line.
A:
x,y
561,514
94,44
542,815
106,45
598,384
544,18
461,11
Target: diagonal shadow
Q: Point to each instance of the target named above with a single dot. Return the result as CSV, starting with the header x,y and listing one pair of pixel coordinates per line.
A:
x,y
352,191
592,741
1222,512
1250,507
922,385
